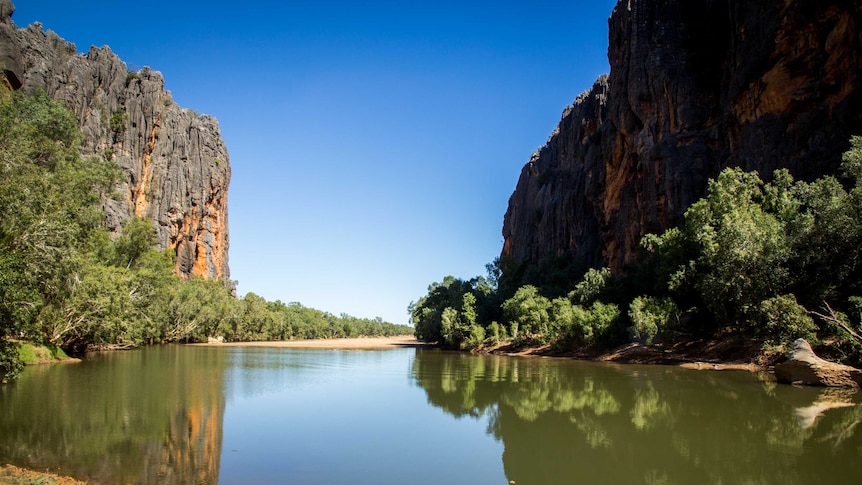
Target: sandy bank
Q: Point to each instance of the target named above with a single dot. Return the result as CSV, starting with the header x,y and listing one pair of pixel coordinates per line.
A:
x,y
729,355
334,343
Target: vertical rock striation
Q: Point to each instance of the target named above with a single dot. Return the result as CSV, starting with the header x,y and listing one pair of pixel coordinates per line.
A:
x,y
175,166
694,87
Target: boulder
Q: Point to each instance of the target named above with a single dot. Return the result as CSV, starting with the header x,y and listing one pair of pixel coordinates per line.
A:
x,y
805,367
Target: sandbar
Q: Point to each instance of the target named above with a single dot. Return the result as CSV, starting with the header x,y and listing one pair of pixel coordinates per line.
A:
x,y
399,341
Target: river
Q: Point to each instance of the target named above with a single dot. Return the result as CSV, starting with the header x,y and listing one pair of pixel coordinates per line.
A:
x,y
176,414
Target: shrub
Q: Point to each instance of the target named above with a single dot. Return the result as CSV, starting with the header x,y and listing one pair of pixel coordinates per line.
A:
x,y
118,121
591,286
652,317
475,337
783,319
586,326
10,363
529,310
131,76
601,318
496,332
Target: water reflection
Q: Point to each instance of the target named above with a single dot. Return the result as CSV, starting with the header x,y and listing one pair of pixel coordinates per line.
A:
x,y
204,415
563,421
118,423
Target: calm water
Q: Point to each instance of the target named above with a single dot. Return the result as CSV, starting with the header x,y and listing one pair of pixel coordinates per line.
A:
x,y
232,415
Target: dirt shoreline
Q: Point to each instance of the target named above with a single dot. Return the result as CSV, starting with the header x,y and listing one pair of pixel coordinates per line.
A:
x,y
723,353
359,343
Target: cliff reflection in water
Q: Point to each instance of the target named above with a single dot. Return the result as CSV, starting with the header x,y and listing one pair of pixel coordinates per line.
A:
x,y
157,418
562,421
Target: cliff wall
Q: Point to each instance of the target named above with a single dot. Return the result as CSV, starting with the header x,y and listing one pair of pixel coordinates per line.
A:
x,y
694,87
175,166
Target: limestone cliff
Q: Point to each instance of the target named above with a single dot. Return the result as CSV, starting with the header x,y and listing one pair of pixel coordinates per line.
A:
x,y
175,166
694,87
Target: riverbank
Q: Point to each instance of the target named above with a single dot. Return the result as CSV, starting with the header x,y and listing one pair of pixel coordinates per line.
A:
x,y
359,343
728,353
12,475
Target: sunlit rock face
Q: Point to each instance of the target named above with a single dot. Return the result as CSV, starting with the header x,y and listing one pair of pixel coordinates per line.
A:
x,y
175,166
694,87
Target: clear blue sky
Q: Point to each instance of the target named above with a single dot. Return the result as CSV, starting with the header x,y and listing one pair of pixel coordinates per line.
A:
x,y
374,145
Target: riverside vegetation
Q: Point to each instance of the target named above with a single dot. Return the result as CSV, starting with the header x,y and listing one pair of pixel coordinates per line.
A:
x,y
767,262
66,283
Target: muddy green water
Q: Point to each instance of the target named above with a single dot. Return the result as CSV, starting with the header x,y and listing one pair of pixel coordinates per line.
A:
x,y
241,415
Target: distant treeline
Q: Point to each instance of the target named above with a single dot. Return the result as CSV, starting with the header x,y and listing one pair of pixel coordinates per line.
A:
x,y
64,281
769,262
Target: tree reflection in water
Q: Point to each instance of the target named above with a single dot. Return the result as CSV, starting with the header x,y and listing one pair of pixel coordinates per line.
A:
x,y
564,421
157,418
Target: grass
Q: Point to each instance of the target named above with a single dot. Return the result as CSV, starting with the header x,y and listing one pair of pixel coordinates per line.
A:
x,y
31,353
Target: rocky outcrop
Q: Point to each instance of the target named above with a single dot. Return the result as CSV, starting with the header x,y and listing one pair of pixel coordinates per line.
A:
x,y
175,166
803,366
694,87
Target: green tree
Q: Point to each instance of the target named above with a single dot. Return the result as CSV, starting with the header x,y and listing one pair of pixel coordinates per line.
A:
x,y
256,318
202,308
592,326
528,312
652,317
591,286
138,236
49,207
784,320
427,313
743,249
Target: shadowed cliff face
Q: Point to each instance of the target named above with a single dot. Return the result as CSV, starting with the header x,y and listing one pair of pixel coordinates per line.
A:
x,y
175,166
694,87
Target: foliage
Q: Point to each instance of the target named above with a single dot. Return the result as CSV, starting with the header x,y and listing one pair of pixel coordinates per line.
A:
x,y
590,326
48,209
137,237
591,286
458,327
529,313
651,317
754,255
200,308
742,248
118,121
451,312
785,320
10,362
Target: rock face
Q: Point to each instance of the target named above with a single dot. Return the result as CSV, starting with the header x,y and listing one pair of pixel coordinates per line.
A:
x,y
175,166
804,367
694,87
